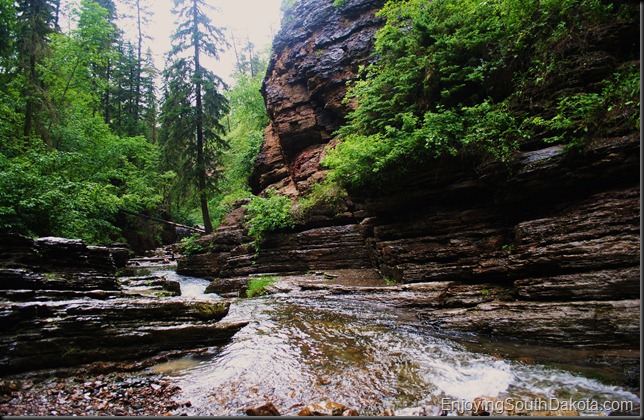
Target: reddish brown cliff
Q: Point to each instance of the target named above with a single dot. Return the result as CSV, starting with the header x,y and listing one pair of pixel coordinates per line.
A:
x,y
318,51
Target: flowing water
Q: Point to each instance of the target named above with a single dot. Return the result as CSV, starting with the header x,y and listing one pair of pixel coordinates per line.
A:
x,y
307,347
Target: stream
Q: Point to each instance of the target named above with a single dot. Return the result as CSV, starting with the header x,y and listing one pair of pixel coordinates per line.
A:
x,y
306,346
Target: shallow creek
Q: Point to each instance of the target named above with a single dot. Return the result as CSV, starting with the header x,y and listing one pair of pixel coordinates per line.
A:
x,y
306,347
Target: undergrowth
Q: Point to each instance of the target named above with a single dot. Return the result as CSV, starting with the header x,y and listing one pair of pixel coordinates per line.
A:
x,y
257,286
462,77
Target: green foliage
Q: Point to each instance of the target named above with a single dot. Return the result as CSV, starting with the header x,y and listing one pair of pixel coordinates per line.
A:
x,y
326,193
41,193
247,120
339,3
509,248
448,80
191,245
267,215
581,115
257,286
72,154
193,107
390,281
7,25
79,193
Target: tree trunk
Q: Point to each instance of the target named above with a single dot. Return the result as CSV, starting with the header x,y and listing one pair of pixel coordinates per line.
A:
x,y
201,164
108,75
138,63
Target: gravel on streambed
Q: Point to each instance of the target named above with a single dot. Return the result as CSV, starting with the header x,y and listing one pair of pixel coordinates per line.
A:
x,y
124,391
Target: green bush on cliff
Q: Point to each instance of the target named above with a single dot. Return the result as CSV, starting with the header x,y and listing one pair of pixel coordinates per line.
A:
x,y
322,194
190,245
457,77
579,116
267,214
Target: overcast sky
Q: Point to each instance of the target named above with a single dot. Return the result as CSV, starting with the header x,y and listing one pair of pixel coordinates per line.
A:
x,y
257,20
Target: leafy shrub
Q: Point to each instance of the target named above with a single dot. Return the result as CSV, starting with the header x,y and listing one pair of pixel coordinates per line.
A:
x,y
40,194
247,119
257,286
268,214
448,78
581,115
190,245
325,193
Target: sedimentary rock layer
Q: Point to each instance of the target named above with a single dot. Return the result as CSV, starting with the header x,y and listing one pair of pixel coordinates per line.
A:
x,y
533,246
61,304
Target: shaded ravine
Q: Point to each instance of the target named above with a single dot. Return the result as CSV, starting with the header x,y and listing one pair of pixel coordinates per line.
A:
x,y
304,347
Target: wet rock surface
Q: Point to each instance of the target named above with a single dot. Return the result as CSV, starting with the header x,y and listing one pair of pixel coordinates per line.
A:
x,y
267,409
57,264
317,51
327,408
63,305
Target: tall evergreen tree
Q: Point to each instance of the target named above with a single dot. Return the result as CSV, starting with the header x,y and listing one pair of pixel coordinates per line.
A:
x,y
149,112
123,87
7,18
97,33
193,105
106,70
35,22
141,15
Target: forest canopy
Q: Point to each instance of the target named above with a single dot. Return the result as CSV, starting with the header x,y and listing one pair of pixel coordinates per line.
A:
x,y
87,138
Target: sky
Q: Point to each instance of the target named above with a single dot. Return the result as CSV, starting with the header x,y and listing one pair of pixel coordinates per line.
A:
x,y
257,20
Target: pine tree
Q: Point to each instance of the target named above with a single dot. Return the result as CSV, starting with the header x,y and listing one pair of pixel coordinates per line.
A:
x,y
35,21
149,112
141,16
193,105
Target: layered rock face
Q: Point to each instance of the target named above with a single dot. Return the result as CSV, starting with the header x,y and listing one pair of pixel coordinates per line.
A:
x,y
545,249
318,50
61,304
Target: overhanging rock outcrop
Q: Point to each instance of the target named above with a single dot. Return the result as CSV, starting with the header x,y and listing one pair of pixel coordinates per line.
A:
x,y
318,50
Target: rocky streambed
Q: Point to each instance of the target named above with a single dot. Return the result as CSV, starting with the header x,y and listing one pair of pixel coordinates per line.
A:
x,y
332,342
62,304
347,337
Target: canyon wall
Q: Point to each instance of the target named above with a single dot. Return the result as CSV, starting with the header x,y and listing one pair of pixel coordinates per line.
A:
x,y
545,249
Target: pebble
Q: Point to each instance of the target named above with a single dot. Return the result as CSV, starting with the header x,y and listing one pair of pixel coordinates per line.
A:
x,y
105,394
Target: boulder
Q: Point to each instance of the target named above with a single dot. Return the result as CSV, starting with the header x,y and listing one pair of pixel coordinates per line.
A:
x,y
267,409
327,408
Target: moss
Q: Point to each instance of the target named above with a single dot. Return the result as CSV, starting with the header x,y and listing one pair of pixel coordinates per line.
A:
x,y
209,311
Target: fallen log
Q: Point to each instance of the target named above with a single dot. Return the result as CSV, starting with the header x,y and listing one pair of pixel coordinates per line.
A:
x,y
167,222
